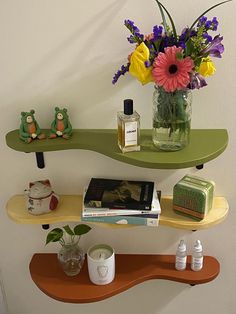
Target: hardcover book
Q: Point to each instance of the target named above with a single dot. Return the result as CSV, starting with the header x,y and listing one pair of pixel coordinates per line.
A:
x,y
121,194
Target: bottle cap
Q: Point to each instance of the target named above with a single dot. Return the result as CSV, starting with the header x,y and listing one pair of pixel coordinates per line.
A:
x,y
128,106
182,246
198,246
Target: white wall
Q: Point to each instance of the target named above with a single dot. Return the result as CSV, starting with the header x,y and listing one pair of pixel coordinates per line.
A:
x,y
64,53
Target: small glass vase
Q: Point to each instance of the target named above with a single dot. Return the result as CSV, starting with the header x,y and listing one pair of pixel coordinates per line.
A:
x,y
171,119
71,258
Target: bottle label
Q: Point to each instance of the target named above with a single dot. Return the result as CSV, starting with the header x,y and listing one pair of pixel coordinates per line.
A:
x,y
131,133
180,262
197,263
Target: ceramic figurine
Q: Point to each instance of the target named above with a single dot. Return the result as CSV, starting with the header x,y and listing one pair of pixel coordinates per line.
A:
x,y
40,198
61,125
29,128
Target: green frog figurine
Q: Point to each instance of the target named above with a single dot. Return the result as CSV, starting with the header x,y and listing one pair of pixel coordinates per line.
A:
x,y
29,128
61,126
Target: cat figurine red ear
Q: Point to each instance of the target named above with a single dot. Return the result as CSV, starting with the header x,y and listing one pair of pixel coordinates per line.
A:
x,y
53,202
40,198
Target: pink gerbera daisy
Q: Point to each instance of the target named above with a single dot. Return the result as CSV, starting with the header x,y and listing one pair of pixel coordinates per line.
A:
x,y
172,73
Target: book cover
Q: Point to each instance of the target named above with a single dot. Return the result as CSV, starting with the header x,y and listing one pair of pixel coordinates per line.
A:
x,y
121,194
151,220
95,211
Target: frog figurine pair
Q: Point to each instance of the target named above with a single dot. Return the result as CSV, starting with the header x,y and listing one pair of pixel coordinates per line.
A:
x,y
30,130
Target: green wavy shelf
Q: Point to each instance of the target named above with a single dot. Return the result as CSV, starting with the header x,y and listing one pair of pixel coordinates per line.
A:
x,y
205,145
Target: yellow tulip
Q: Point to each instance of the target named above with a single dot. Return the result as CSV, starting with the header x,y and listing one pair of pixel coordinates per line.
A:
x,y
206,67
137,67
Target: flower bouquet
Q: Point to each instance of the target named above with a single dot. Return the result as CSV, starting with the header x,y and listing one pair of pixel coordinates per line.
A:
x,y
176,64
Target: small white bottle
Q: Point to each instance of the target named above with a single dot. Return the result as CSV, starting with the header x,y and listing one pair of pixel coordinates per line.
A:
x,y
181,256
197,256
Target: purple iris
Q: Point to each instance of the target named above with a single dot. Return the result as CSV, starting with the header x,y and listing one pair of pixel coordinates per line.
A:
x,y
197,81
215,48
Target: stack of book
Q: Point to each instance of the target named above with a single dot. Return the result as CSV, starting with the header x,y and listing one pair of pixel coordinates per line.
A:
x,y
121,202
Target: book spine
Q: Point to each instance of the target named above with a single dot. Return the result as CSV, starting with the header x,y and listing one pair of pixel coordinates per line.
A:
x,y
130,206
124,220
86,213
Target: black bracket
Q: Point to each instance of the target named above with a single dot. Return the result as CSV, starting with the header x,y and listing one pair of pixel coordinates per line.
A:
x,y
40,160
45,227
199,167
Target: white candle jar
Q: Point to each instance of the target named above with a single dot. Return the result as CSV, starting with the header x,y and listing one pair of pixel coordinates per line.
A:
x,y
101,264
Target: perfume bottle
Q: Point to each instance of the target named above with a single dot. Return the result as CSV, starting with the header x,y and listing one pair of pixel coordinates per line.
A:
x,y
128,128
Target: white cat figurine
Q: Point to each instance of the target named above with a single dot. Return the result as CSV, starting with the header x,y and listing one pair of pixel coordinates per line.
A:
x,y
40,198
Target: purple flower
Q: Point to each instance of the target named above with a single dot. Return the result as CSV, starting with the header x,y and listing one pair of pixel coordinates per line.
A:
x,y
131,39
207,37
202,21
147,64
215,48
196,81
181,44
136,37
122,71
208,24
185,34
215,24
157,32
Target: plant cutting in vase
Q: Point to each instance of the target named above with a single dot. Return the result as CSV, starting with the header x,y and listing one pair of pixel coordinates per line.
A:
x,y
176,64
70,256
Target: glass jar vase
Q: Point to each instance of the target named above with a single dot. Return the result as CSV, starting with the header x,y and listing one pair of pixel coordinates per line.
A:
x,y
171,119
71,258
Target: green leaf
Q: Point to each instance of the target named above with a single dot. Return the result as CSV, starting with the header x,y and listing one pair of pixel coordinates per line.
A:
x,y
68,230
54,235
163,17
81,229
179,56
170,18
214,6
189,47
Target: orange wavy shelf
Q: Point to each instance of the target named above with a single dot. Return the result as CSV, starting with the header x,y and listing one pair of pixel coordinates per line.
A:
x,y
130,271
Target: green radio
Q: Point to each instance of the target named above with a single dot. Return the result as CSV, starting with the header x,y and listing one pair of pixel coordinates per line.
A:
x,y
193,197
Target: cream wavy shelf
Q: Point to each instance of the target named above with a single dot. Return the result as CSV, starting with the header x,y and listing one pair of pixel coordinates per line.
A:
x,y
205,145
70,206
130,271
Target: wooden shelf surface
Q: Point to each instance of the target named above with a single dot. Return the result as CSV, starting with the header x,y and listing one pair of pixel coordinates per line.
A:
x,y
205,145
69,209
130,271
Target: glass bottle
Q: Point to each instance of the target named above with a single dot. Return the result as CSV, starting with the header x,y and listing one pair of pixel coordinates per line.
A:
x,y
128,128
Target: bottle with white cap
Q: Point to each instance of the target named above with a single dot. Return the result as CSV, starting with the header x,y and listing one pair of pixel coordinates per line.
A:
x,y
197,256
181,256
